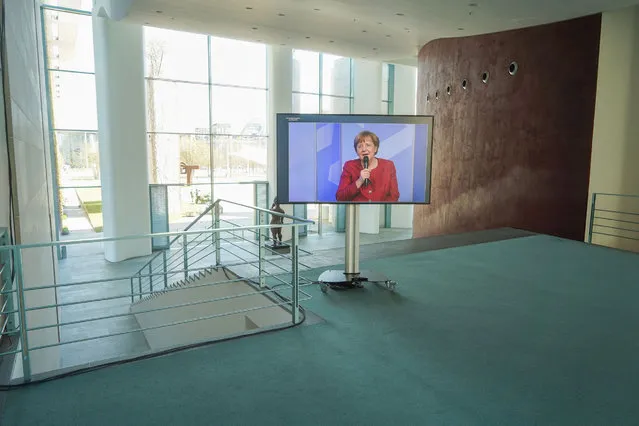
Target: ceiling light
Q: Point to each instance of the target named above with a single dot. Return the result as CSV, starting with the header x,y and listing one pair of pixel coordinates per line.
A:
x,y
379,23
280,14
331,41
249,8
158,11
399,14
316,10
460,29
374,48
388,35
254,28
472,4
363,31
308,37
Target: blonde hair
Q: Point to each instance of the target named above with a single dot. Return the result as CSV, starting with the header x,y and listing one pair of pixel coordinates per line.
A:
x,y
364,134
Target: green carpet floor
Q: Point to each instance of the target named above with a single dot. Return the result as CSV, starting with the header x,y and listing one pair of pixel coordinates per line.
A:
x,y
528,331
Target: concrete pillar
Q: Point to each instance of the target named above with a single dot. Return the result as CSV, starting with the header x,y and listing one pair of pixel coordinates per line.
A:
x,y
119,76
280,72
405,103
368,100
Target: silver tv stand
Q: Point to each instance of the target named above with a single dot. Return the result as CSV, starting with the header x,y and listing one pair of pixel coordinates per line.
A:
x,y
351,276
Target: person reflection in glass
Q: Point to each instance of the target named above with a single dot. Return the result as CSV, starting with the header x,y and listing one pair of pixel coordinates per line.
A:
x,y
375,183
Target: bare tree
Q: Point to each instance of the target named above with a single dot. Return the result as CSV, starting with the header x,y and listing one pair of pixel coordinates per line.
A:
x,y
155,58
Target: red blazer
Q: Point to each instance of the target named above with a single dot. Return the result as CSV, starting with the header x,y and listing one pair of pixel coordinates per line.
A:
x,y
382,186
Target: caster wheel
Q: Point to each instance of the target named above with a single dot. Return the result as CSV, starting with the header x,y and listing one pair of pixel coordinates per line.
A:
x,y
391,285
324,287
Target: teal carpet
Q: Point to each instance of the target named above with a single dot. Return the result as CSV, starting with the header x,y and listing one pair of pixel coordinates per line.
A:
x,y
527,331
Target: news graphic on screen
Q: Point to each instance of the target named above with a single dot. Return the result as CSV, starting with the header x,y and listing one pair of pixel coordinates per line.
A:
x,y
326,158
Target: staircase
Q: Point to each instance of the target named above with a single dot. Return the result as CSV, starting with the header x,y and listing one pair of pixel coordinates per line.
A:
x,y
189,293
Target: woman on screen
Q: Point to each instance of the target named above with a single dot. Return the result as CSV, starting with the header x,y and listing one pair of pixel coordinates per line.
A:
x,y
368,178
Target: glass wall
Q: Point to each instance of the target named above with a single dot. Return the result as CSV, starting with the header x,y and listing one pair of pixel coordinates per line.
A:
x,y
73,115
388,88
206,119
322,83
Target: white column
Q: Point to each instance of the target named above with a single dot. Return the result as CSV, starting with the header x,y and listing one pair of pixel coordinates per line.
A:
x,y
119,76
404,103
280,72
615,141
368,100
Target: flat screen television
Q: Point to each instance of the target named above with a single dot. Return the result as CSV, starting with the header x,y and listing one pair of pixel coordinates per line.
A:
x,y
320,158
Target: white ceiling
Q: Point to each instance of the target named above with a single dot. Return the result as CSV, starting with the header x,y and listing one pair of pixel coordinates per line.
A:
x,y
392,31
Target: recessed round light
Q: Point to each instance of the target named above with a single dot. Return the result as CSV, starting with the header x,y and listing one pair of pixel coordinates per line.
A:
x,y
249,8
513,68
158,11
331,41
399,14
254,28
280,14
472,4
460,29
388,35
308,37
316,10
379,23
363,31
374,48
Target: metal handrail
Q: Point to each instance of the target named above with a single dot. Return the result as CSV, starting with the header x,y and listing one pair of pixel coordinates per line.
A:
x,y
592,225
208,210
24,307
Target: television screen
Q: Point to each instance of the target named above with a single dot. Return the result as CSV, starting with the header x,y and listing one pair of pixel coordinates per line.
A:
x,y
329,158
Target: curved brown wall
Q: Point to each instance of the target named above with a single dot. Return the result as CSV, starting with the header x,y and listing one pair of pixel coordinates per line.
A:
x,y
513,152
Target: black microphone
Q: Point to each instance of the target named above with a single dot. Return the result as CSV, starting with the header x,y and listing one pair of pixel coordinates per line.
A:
x,y
366,181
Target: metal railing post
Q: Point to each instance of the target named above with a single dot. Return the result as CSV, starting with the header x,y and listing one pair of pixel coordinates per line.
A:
x,y
186,255
592,217
26,362
217,235
295,301
140,285
132,296
260,250
150,279
166,279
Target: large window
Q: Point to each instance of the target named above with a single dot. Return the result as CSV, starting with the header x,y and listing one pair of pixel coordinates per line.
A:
x,y
206,117
321,83
209,90
73,114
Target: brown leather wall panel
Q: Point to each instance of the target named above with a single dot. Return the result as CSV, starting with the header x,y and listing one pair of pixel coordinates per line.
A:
x,y
515,151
